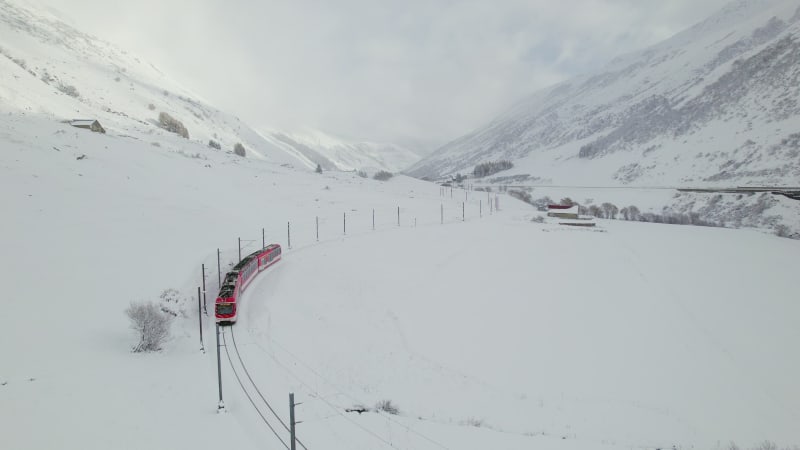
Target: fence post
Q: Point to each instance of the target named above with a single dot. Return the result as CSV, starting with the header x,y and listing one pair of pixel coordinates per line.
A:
x,y
200,320
441,208
480,208
317,228
463,216
344,224
289,234
398,216
373,219
205,308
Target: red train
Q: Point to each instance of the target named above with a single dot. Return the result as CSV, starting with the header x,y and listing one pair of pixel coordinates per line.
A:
x,y
235,282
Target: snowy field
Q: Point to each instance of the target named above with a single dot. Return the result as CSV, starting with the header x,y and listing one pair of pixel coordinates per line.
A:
x,y
493,332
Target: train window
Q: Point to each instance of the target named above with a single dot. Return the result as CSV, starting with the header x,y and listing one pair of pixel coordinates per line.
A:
x,y
224,308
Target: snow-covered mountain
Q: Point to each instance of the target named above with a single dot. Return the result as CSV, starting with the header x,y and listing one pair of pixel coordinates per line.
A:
x,y
49,67
714,104
332,152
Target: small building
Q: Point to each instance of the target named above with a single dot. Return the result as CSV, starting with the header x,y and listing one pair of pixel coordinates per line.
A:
x,y
562,211
89,124
569,215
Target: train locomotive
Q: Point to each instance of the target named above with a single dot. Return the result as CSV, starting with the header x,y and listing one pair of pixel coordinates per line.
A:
x,y
226,306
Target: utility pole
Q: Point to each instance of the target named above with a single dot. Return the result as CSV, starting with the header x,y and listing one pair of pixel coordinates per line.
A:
x,y
200,319
463,216
293,436
480,208
398,216
205,308
219,271
317,228
289,234
373,219
441,209
344,224
263,241
240,249
220,404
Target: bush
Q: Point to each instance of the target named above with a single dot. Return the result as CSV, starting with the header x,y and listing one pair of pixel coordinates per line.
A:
x,y
538,219
362,174
214,144
239,150
782,231
151,107
388,407
318,169
172,125
383,175
150,323
68,89
521,195
491,168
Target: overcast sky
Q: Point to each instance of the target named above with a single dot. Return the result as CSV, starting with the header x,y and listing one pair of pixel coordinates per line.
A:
x,y
403,71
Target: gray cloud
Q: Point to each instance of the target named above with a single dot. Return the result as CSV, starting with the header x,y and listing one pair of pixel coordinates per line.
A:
x,y
415,70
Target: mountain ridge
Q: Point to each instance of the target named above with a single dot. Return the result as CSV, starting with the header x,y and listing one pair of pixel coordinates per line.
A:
x,y
651,101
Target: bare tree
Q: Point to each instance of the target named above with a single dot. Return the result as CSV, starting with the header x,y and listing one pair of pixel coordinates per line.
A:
x,y
609,210
150,323
595,211
633,212
625,213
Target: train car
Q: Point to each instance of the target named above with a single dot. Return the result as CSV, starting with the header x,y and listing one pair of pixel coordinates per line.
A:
x,y
226,306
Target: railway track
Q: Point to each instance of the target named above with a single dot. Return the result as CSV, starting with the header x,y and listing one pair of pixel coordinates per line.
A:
x,y
251,390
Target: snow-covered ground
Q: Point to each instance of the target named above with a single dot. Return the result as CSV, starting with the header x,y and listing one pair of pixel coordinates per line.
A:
x,y
493,332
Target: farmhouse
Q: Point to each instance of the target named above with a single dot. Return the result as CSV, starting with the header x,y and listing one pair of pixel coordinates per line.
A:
x,y
89,124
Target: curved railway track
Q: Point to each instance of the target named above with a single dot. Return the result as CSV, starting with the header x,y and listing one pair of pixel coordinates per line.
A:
x,y
248,392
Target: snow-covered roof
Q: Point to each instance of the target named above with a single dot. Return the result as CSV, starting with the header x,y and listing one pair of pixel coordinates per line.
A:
x,y
82,122
571,210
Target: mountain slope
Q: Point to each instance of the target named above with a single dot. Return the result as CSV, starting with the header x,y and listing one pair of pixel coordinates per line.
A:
x,y
336,153
716,103
48,67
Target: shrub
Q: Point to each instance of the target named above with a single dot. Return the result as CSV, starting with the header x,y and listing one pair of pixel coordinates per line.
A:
x,y
239,150
214,144
151,324
388,407
172,125
151,107
521,195
383,175
566,201
473,422
68,89
538,219
491,168
318,169
362,174
782,231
